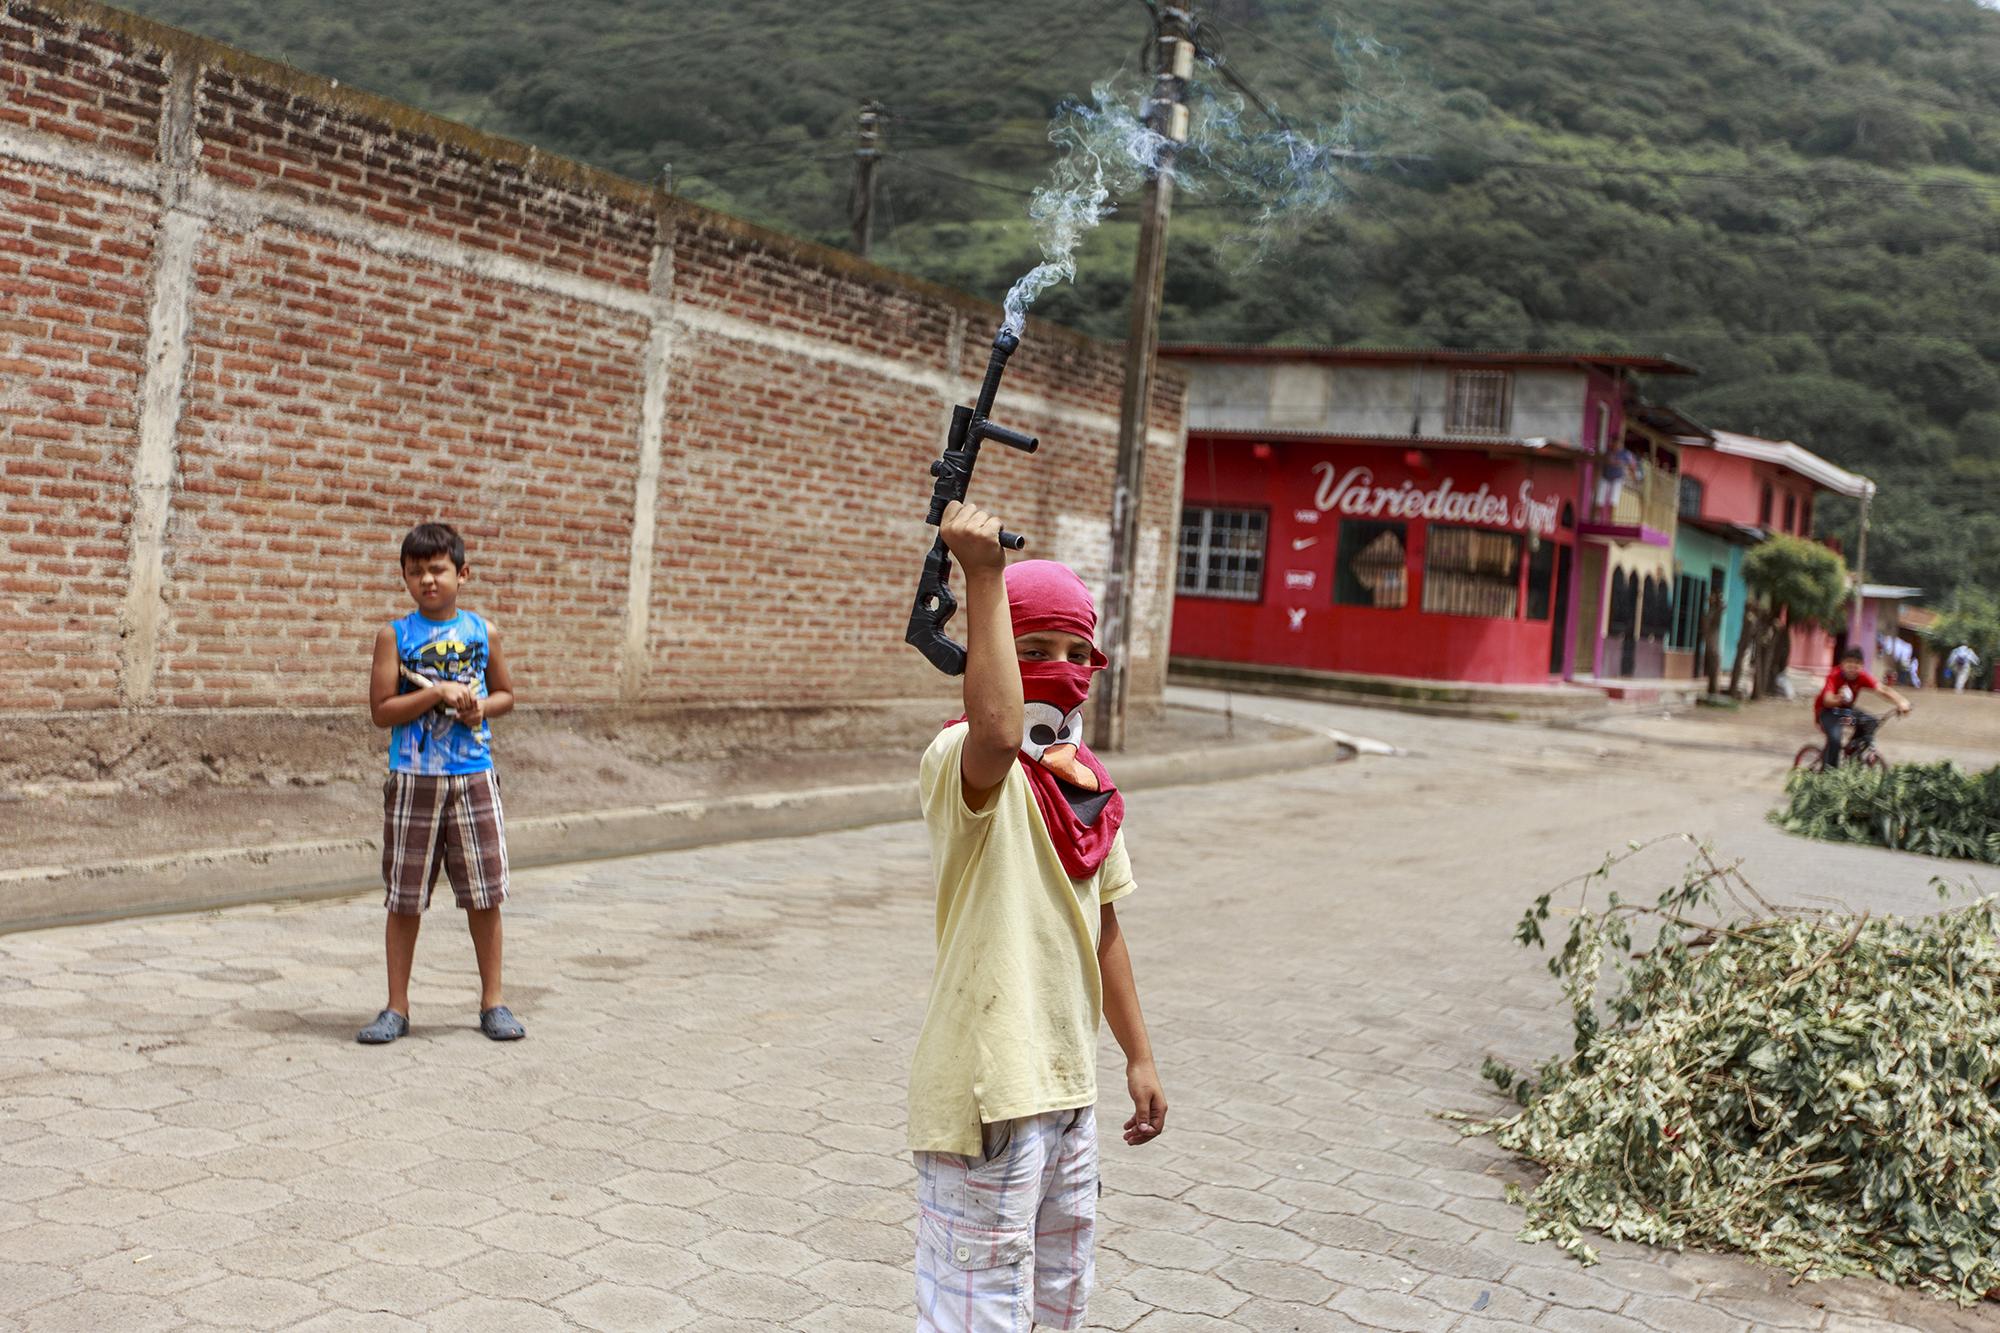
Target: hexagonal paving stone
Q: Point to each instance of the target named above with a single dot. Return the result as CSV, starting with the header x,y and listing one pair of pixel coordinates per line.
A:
x,y
245,1302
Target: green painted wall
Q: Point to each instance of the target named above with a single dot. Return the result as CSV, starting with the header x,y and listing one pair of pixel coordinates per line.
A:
x,y
1695,554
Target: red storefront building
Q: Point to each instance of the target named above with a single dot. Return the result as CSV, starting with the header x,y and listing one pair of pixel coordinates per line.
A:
x,y
1407,514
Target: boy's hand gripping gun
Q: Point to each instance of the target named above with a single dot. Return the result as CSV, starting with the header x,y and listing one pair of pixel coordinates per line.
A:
x,y
935,605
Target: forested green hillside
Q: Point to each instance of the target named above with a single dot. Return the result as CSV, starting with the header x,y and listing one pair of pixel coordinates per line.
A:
x,y
1802,197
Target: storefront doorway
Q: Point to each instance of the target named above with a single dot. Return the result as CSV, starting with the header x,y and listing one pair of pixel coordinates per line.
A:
x,y
1565,567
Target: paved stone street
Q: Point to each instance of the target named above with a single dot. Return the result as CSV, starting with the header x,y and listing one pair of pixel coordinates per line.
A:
x,y
703,1130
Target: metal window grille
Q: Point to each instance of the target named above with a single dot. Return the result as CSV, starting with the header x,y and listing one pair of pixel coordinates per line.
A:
x,y
1692,492
1481,402
1472,572
1222,553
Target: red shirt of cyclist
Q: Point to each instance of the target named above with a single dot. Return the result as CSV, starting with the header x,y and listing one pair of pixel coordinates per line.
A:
x,y
1843,687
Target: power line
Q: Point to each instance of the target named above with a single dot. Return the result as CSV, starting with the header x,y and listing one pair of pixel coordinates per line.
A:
x,y
940,173
1623,44
1252,334
1342,76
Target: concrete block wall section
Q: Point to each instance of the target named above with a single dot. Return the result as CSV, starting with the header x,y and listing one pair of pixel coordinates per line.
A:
x,y
255,325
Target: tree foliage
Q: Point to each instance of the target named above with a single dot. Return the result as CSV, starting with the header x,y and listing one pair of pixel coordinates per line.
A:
x,y
1973,619
1803,581
1791,581
1801,197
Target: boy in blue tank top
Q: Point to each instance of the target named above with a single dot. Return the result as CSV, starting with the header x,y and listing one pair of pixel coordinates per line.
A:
x,y
437,680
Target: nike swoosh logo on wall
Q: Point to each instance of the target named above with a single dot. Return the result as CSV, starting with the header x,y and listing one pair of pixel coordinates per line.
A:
x,y
1300,543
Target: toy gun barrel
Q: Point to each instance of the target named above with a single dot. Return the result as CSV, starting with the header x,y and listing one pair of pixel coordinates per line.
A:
x,y
970,428
1004,343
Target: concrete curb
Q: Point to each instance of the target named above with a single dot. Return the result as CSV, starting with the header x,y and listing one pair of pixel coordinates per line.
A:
x,y
41,896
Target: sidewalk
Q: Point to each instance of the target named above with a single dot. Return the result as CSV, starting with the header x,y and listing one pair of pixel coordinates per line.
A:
x,y
213,845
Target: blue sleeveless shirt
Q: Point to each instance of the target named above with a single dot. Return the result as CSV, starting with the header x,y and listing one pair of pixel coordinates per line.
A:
x,y
440,650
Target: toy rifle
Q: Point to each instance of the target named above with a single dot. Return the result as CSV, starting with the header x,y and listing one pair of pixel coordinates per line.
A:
x,y
935,605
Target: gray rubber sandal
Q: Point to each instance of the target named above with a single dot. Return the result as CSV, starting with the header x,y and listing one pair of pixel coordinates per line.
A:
x,y
388,1026
500,1024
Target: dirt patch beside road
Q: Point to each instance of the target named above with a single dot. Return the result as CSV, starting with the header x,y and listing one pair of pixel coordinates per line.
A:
x,y
1942,725
88,790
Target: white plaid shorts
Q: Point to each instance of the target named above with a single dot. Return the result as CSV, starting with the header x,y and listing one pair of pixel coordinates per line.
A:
x,y
1009,1243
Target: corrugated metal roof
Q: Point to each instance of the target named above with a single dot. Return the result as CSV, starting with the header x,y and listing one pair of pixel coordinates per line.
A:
x,y
1747,534
1799,459
1672,421
1657,365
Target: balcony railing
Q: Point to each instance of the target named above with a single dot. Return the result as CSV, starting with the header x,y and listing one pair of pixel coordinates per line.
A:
x,y
1653,503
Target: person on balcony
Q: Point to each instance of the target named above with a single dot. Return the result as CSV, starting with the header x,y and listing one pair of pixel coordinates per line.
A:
x,y
1618,468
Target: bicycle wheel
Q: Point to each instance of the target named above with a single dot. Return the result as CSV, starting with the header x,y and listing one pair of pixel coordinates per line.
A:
x,y
1810,757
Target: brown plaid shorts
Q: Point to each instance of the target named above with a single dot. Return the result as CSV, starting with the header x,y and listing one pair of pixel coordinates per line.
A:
x,y
452,822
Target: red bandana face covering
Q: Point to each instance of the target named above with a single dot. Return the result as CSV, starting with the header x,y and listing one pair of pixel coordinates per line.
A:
x,y
1079,803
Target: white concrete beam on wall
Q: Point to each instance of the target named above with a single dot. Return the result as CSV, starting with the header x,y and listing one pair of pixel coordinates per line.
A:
x,y
646,486
169,315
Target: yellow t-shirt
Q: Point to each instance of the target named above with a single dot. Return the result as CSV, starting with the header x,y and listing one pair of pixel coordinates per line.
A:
x,y
1016,997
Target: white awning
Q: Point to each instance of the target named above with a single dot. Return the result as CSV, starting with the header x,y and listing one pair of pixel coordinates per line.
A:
x,y
1798,459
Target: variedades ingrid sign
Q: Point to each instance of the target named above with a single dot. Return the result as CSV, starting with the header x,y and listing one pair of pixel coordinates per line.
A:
x,y
1354,492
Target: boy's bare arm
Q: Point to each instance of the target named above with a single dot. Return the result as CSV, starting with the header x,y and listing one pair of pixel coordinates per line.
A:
x,y
992,667
1128,1025
387,708
1889,693
499,700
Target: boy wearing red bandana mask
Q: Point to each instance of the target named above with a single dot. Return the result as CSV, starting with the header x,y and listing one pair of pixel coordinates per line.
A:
x,y
1028,859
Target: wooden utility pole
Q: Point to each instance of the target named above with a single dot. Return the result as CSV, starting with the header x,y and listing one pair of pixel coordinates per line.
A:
x,y
1861,578
1166,115
867,156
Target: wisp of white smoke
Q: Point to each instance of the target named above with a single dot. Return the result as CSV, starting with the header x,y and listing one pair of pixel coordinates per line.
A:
x,y
1107,151
1284,174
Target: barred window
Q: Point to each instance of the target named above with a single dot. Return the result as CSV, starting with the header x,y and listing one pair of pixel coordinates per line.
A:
x,y
1472,572
1222,553
1692,492
1481,402
1372,566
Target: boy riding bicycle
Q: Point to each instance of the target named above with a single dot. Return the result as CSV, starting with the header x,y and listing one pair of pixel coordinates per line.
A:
x,y
1834,705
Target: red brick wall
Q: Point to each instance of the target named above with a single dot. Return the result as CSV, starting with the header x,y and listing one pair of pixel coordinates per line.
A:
x,y
336,398
389,318
73,259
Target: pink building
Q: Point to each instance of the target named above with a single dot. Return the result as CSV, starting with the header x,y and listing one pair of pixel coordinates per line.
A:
x,y
1774,486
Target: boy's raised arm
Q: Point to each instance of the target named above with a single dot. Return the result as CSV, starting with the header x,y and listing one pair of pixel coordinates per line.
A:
x,y
992,669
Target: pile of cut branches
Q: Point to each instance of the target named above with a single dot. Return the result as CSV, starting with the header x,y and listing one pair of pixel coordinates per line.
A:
x,y
1936,809
1815,1089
